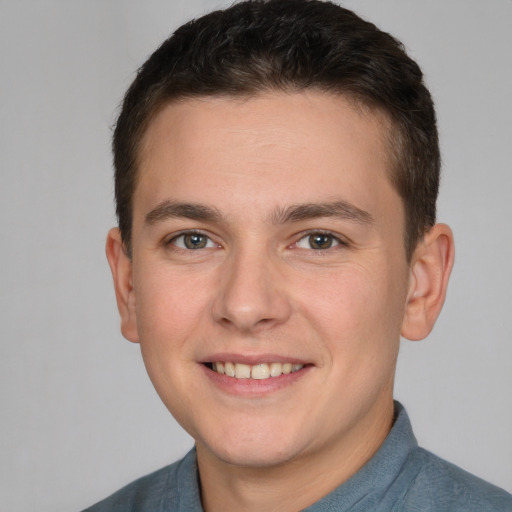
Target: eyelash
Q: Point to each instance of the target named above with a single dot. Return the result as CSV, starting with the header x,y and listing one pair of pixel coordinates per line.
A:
x,y
334,240
339,242
183,234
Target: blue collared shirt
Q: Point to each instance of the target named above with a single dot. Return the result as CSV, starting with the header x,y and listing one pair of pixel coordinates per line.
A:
x,y
400,477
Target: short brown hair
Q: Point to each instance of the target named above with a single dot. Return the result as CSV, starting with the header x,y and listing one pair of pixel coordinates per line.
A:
x,y
289,45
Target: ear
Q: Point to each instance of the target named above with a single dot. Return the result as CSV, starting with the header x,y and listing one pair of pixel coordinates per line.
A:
x,y
121,267
431,266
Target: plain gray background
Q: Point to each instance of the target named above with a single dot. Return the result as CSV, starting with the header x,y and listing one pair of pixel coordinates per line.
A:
x,y
79,417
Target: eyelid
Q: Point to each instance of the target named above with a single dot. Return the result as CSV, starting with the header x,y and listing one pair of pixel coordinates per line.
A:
x,y
340,240
172,238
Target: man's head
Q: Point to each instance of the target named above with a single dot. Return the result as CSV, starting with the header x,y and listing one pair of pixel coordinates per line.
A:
x,y
290,46
266,184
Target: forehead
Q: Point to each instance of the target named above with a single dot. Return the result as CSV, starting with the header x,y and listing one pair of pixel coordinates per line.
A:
x,y
275,147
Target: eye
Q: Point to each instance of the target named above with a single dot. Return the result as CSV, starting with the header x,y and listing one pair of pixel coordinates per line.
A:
x,y
318,241
192,241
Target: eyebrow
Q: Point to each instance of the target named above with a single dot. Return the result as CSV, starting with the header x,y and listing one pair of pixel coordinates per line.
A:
x,y
340,209
170,209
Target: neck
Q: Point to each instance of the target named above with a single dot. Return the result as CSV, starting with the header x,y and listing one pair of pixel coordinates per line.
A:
x,y
292,485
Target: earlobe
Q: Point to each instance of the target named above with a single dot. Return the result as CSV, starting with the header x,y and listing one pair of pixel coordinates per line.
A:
x,y
430,270
121,267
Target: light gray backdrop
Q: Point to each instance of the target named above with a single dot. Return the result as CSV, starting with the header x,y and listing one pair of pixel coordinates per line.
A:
x,y
79,417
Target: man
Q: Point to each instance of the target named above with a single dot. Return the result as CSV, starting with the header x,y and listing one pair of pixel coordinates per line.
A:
x,y
277,169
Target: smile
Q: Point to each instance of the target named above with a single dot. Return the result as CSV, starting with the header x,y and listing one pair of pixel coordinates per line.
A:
x,y
258,371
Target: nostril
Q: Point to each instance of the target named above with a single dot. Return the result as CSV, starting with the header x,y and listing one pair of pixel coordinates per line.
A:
x,y
250,303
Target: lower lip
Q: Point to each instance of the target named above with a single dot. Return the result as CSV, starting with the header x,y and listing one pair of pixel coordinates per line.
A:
x,y
254,387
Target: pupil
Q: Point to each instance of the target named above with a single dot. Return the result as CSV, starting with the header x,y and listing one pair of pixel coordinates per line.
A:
x,y
320,241
195,241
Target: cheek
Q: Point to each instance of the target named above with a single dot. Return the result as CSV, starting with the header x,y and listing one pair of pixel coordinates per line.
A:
x,y
170,306
170,312
358,309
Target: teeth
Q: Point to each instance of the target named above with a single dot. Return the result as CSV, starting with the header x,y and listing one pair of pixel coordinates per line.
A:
x,y
229,369
259,371
242,371
276,369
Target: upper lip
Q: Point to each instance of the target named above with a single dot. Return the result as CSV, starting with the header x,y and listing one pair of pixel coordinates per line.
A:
x,y
252,359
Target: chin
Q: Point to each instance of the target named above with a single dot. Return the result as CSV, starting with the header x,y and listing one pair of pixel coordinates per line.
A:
x,y
246,450
254,458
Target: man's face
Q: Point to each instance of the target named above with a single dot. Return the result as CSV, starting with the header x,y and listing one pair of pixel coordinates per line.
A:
x,y
266,234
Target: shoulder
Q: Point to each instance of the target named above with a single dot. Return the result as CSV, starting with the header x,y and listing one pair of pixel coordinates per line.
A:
x,y
441,486
151,493
142,494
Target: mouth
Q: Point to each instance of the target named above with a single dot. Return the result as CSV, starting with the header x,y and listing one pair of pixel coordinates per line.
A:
x,y
259,371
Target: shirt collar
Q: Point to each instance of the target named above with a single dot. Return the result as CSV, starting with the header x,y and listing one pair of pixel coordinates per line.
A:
x,y
369,486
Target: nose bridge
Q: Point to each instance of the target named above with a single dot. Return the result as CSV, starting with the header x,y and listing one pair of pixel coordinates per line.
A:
x,y
252,293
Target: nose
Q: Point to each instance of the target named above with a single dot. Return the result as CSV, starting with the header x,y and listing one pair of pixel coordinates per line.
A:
x,y
252,295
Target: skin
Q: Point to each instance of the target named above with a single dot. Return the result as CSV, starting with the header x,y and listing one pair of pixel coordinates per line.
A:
x,y
258,291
